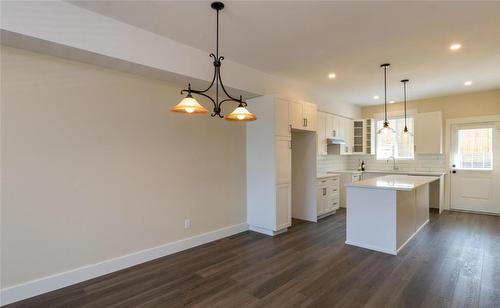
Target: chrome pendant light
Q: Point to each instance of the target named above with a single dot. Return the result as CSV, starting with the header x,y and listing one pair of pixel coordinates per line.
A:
x,y
387,132
189,105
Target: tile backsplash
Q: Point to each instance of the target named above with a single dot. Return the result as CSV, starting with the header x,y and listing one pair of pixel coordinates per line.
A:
x,y
430,163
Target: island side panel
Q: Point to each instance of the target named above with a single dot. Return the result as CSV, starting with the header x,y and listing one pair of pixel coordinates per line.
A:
x,y
422,205
371,219
406,216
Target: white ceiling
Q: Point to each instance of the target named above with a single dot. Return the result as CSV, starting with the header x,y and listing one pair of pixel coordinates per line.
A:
x,y
307,40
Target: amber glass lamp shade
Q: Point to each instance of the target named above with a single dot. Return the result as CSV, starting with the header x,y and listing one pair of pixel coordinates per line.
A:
x,y
240,114
189,105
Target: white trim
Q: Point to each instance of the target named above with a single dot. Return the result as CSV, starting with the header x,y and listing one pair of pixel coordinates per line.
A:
x,y
266,231
388,251
447,149
50,283
412,236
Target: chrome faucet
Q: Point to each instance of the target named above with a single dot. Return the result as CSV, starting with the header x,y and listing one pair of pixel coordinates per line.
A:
x,y
394,167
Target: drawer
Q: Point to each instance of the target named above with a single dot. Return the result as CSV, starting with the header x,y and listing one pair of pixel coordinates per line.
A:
x,y
328,181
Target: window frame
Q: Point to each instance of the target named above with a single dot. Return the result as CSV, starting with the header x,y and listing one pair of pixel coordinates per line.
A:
x,y
412,138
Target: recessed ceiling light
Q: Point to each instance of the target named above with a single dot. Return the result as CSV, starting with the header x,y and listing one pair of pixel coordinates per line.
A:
x,y
332,75
468,83
376,97
455,46
391,102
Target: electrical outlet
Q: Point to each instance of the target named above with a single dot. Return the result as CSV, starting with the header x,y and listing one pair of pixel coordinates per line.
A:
x,y
187,223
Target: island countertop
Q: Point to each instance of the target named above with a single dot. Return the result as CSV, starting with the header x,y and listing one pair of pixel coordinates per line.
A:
x,y
395,182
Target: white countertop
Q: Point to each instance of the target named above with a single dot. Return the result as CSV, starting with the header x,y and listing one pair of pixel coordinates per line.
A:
x,y
431,173
327,175
395,182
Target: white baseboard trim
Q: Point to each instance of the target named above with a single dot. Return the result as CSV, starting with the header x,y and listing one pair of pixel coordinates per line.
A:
x,y
266,231
413,235
388,251
50,283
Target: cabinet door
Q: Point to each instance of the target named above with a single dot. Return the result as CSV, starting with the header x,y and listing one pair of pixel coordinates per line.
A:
x,y
321,199
283,206
283,160
310,114
282,117
296,115
329,130
428,133
321,134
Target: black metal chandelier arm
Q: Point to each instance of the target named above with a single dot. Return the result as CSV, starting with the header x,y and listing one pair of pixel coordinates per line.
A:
x,y
227,94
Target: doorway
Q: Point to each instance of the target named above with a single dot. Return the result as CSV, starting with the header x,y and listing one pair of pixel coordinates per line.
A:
x,y
475,171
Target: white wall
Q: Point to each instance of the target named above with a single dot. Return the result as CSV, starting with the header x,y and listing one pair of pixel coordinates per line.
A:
x,y
94,166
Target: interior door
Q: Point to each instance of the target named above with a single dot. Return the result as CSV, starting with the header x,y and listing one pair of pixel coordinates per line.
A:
x,y
475,176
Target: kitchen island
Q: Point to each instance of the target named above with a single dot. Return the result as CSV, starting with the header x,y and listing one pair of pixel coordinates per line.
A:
x,y
385,213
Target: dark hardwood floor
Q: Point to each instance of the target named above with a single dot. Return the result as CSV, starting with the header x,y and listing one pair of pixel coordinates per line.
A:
x,y
453,262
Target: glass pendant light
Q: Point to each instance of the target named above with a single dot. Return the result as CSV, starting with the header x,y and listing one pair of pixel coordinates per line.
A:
x,y
387,132
240,114
189,105
406,134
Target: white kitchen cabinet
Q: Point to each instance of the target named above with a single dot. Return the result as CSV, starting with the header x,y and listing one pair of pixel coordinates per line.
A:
x,y
327,195
282,117
346,133
428,133
303,116
363,136
283,160
268,171
321,133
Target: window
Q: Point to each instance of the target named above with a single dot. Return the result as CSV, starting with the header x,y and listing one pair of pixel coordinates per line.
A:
x,y
474,149
399,148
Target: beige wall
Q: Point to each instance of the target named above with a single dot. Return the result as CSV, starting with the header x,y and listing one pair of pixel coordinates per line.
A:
x,y
455,106
94,166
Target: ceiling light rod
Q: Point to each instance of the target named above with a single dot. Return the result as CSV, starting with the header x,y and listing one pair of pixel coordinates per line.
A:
x,y
404,81
385,66
189,104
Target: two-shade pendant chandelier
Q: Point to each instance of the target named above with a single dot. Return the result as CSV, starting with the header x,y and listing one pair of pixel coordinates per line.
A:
x,y
386,131
189,105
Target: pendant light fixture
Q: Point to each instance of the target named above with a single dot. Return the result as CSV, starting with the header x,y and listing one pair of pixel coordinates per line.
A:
x,y
189,104
406,134
387,132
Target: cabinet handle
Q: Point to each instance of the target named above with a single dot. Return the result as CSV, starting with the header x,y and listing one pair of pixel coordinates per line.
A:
x,y
306,122
290,144
334,133
324,191
290,128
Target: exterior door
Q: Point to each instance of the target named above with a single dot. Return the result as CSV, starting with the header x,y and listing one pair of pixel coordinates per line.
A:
x,y
475,172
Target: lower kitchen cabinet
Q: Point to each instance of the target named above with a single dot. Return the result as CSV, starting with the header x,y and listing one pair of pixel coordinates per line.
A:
x,y
327,195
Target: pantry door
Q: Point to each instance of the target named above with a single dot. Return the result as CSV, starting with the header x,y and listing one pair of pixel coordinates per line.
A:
x,y
475,171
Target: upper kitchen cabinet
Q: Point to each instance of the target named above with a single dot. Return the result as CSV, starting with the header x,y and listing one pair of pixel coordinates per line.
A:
x,y
364,136
322,146
346,133
428,133
303,116
282,118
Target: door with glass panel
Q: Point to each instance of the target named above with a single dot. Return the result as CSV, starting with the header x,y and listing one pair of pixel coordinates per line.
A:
x,y
475,172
